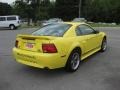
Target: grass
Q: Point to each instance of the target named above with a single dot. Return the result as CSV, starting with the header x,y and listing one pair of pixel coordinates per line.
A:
x,y
103,25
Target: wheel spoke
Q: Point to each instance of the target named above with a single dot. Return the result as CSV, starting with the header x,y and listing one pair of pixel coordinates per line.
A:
x,y
75,61
104,45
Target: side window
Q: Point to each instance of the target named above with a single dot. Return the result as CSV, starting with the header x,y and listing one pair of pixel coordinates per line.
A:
x,y
86,30
11,18
78,31
2,18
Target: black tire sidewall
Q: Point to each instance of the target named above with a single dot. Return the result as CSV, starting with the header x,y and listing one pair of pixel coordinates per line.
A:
x,y
68,66
102,48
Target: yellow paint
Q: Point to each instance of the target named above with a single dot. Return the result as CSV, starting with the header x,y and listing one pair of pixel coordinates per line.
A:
x,y
35,57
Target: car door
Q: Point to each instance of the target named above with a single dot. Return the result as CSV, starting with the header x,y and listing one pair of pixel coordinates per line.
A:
x,y
90,38
82,39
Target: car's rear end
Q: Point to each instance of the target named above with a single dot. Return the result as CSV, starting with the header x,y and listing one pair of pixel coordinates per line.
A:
x,y
38,50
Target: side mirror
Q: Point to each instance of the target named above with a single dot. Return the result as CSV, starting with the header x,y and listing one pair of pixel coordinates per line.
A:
x,y
96,31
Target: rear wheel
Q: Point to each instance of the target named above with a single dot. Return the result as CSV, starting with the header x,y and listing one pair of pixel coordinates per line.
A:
x,y
73,61
12,27
104,45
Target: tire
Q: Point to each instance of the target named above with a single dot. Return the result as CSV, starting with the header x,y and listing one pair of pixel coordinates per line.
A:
x,y
73,61
104,45
12,27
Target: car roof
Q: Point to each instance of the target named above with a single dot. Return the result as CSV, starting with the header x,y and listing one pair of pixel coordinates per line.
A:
x,y
10,16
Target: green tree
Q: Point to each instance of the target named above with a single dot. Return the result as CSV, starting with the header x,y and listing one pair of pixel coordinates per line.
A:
x,y
102,10
23,9
5,9
67,9
34,9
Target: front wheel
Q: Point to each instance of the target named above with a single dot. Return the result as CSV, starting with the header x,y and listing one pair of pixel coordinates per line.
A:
x,y
73,61
104,45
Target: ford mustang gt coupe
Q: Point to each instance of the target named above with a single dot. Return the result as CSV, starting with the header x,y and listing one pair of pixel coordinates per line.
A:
x,y
59,45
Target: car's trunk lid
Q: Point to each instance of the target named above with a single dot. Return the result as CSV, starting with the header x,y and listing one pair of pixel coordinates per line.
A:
x,y
33,43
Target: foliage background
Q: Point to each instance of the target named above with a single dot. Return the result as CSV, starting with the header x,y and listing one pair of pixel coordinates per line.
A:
x,y
92,10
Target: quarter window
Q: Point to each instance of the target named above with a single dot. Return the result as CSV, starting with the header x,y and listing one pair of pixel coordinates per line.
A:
x,y
84,30
78,31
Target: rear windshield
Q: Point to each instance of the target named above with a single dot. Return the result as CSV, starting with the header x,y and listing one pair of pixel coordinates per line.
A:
x,y
52,30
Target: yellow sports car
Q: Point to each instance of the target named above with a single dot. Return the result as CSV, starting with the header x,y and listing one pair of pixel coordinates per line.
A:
x,y
59,45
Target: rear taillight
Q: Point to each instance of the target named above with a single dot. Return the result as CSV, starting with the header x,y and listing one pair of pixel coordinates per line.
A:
x,y
49,48
16,43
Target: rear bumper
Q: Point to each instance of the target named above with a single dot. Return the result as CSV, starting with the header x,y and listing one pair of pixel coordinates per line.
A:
x,y
40,60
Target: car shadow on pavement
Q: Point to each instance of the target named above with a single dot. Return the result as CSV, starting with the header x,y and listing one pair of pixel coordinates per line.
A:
x,y
45,73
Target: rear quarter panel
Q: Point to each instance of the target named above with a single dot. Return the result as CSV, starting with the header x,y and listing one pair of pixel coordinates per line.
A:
x,y
65,46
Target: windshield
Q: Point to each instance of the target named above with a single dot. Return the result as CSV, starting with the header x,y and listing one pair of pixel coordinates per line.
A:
x,y
52,30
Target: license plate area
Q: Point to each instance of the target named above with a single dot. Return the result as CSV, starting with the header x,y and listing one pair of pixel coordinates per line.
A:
x,y
30,45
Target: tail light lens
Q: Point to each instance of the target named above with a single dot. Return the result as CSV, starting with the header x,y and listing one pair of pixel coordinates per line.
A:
x,y
49,48
16,43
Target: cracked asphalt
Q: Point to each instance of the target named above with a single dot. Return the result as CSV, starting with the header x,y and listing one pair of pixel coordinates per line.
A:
x,y
100,71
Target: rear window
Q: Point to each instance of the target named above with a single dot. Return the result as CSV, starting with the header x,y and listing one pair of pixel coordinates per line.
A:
x,y
11,18
2,18
52,30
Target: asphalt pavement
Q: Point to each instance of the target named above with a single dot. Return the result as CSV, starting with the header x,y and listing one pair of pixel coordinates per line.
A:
x,y
100,71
